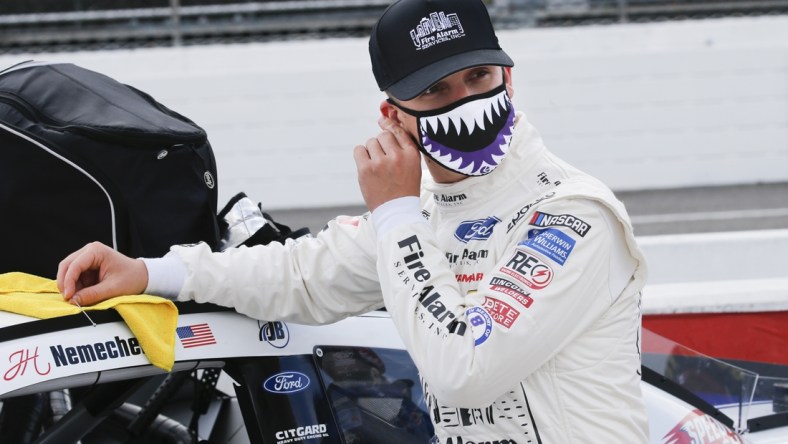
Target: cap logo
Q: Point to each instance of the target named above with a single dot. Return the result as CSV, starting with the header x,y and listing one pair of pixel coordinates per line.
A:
x,y
435,29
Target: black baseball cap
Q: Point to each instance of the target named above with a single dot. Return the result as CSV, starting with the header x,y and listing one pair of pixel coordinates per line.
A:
x,y
415,43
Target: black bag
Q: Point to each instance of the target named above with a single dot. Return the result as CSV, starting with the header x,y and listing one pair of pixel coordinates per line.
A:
x,y
85,158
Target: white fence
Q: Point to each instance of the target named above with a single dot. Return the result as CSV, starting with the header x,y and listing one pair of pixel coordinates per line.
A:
x,y
640,106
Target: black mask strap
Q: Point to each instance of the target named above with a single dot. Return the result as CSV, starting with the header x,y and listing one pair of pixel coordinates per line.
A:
x,y
450,106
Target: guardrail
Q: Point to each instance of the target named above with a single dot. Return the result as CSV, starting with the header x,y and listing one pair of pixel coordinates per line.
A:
x,y
740,271
176,25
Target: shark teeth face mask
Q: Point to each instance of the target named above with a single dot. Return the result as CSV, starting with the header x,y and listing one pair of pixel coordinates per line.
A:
x,y
470,136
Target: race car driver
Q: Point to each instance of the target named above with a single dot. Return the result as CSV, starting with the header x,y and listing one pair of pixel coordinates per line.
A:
x,y
513,278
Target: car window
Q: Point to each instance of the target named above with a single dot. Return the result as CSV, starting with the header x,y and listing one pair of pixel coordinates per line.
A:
x,y
375,394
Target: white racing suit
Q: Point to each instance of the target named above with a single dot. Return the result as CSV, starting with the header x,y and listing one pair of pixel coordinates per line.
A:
x,y
517,294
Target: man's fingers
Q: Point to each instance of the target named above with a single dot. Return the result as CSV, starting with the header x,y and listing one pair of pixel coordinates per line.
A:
x,y
83,261
62,267
91,295
403,137
375,148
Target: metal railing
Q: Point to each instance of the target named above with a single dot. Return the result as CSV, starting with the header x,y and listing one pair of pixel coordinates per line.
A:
x,y
255,21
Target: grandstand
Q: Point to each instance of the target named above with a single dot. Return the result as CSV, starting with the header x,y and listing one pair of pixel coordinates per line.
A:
x,y
75,25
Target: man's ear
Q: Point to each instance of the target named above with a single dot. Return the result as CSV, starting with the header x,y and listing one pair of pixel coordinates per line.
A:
x,y
507,78
390,111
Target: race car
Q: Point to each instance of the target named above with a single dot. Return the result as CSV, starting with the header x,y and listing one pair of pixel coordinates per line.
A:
x,y
242,380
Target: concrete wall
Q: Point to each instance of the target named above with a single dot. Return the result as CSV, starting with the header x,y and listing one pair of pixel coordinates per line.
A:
x,y
743,271
640,106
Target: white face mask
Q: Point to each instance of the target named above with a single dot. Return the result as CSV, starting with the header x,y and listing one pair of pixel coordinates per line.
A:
x,y
470,136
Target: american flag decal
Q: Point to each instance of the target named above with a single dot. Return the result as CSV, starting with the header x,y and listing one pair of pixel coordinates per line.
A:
x,y
195,335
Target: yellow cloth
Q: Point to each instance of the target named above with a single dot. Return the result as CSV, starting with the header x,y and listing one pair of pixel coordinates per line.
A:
x,y
151,319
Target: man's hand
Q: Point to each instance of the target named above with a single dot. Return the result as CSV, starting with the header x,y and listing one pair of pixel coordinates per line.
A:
x,y
389,165
96,272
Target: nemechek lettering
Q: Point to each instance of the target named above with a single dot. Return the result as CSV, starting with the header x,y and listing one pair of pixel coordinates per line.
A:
x,y
575,224
98,351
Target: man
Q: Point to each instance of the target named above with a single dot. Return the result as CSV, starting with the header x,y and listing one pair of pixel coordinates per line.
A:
x,y
513,278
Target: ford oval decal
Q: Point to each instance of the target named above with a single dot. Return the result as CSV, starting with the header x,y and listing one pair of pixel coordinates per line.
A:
x,y
286,382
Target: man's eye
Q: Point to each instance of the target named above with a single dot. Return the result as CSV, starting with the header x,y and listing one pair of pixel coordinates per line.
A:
x,y
480,73
431,90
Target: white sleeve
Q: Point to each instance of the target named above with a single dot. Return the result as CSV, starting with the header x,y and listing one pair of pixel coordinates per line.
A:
x,y
397,212
165,276
310,280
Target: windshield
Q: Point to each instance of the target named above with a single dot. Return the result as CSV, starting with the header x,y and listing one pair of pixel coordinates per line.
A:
x,y
739,393
375,394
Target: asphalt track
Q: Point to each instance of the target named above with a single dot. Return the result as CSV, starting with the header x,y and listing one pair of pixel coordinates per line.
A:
x,y
653,212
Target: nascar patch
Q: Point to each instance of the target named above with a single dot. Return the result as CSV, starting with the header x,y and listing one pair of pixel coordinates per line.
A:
x,y
552,243
575,224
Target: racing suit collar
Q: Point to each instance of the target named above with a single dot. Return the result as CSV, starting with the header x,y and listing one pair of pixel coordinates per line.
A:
x,y
526,142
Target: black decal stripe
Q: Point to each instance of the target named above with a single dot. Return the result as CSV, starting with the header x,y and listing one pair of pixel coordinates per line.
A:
x,y
671,387
528,406
638,338
78,320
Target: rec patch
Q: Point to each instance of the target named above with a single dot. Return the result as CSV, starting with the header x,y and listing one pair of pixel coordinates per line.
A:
x,y
551,242
528,269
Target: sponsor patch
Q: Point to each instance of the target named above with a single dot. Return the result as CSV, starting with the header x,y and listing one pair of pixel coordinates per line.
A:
x,y
449,200
512,290
303,433
575,224
500,311
467,256
481,324
699,427
413,254
431,300
276,334
286,382
478,229
195,335
550,242
438,28
525,209
472,277
528,270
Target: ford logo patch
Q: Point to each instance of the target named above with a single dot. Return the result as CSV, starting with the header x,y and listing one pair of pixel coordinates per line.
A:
x,y
479,229
286,382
